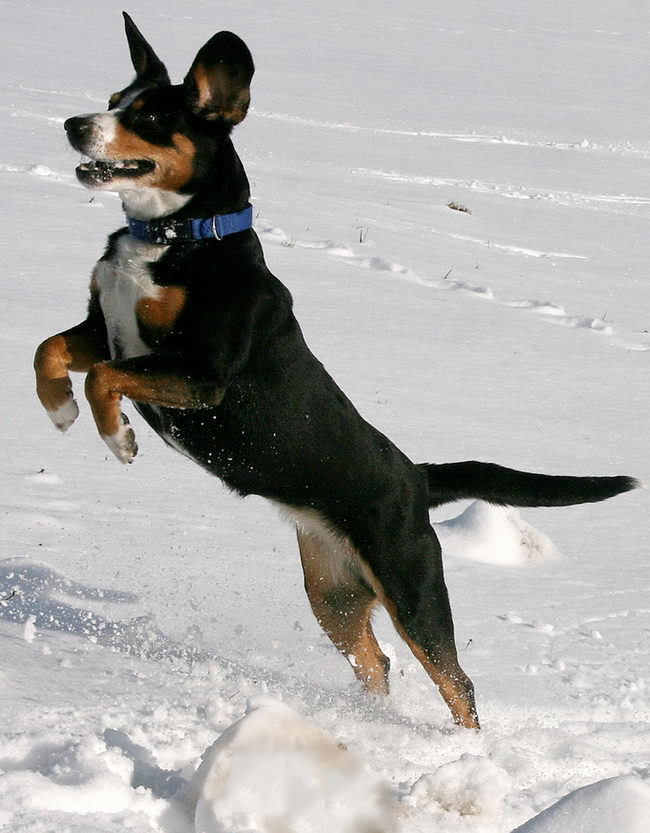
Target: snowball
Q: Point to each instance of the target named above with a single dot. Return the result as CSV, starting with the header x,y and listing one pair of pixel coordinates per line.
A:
x,y
29,630
616,805
494,535
472,786
273,772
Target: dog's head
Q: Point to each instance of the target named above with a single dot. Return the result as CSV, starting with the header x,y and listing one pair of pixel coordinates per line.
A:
x,y
158,141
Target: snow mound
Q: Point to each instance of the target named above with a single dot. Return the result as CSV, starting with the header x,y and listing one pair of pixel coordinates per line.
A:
x,y
494,535
274,772
471,786
68,776
616,805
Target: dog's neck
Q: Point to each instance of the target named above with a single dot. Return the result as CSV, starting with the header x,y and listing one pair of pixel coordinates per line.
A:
x,y
152,203
214,193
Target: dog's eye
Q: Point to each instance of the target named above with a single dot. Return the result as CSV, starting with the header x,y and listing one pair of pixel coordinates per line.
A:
x,y
150,117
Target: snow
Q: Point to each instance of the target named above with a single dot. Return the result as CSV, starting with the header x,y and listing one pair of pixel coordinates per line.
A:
x,y
471,786
142,607
494,535
608,806
273,771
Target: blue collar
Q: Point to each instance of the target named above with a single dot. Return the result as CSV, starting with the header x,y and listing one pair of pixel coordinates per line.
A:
x,y
165,232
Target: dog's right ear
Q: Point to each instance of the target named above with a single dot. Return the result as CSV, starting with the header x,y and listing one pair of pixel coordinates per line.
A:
x,y
217,85
148,66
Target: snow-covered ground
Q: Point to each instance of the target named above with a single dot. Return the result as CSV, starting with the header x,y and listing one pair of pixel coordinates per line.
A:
x,y
142,606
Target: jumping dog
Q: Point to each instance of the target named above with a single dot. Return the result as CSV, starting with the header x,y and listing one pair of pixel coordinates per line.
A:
x,y
186,320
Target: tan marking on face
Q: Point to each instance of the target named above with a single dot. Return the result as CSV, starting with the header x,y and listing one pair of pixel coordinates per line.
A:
x,y
174,164
138,104
160,313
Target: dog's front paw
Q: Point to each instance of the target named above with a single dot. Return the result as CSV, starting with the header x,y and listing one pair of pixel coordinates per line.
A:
x,y
64,415
122,443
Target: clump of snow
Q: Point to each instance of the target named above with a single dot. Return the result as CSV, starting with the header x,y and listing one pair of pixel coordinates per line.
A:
x,y
494,535
615,805
29,631
71,776
274,772
41,170
471,786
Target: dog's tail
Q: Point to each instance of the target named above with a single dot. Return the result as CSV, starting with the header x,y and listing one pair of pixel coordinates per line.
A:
x,y
509,487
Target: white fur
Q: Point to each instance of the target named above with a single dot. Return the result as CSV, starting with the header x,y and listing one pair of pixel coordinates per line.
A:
x,y
64,416
147,203
122,282
338,556
104,128
128,98
121,443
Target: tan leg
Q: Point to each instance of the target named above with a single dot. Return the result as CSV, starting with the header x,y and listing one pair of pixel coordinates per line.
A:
x,y
151,379
343,605
453,684
77,349
427,629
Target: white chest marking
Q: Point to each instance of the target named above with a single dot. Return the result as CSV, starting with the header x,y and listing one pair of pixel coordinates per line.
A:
x,y
146,203
123,281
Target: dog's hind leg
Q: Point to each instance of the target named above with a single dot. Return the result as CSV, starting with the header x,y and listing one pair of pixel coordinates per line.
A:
x,y
343,603
411,587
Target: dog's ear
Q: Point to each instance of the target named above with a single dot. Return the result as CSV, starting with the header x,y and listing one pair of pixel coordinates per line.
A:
x,y
217,85
148,66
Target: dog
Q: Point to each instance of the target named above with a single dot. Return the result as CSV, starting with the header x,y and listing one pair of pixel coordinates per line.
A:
x,y
186,320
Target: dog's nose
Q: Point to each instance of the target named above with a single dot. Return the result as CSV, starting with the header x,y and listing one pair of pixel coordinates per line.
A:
x,y
76,127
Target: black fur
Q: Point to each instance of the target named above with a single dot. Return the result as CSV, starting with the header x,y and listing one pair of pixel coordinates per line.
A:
x,y
509,487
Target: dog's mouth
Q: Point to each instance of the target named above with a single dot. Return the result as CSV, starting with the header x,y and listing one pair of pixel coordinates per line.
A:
x,y
101,171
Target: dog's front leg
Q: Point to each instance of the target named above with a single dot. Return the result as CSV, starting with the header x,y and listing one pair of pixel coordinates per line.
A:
x,y
76,349
153,380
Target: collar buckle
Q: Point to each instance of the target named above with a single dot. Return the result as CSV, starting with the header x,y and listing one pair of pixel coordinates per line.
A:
x,y
166,232
215,232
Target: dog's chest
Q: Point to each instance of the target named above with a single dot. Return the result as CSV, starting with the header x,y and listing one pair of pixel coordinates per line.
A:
x,y
126,292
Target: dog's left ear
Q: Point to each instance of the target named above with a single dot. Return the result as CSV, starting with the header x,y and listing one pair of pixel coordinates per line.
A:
x,y
148,66
217,85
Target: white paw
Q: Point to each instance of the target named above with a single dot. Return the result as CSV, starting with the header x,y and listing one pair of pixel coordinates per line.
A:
x,y
122,443
64,416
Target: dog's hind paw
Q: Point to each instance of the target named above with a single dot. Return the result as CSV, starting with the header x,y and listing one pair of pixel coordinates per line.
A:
x,y
65,415
122,443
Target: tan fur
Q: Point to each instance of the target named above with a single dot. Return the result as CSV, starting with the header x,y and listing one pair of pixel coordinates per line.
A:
x,y
343,606
215,96
174,164
338,583
160,313
76,349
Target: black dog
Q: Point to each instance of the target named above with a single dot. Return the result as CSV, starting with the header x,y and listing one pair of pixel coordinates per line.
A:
x,y
186,320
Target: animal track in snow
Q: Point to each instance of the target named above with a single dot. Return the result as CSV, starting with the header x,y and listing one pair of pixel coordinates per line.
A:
x,y
584,145
509,191
552,312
